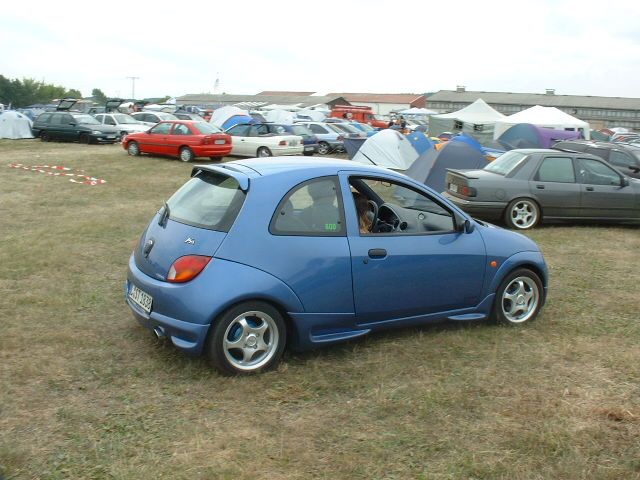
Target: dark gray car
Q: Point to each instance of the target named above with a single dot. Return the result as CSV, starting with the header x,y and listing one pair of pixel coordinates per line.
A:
x,y
526,186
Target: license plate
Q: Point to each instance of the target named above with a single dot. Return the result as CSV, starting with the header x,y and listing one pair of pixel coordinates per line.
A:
x,y
143,299
453,187
220,142
306,149
111,136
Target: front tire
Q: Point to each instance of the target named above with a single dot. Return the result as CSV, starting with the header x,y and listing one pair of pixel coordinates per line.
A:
x,y
247,338
264,152
45,137
84,139
133,149
518,298
186,154
522,214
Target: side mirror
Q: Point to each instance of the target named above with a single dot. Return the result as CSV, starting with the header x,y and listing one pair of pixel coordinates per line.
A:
x,y
624,182
463,225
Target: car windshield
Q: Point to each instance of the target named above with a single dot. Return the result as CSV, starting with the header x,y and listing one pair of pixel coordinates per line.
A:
x,y
209,200
345,128
506,163
86,119
206,128
123,118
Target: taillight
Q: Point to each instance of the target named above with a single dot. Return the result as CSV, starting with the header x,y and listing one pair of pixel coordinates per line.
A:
x,y
206,140
283,143
464,190
187,268
340,138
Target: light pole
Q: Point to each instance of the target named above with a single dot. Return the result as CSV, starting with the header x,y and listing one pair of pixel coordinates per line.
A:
x,y
133,86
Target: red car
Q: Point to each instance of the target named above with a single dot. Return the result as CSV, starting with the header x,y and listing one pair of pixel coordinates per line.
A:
x,y
185,139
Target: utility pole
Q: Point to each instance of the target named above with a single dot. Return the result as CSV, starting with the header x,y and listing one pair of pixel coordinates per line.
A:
x,y
133,86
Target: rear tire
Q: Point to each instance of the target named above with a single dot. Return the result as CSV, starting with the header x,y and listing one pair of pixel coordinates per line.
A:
x,y
522,214
186,154
216,159
246,339
264,152
308,154
323,148
133,149
518,298
84,139
45,137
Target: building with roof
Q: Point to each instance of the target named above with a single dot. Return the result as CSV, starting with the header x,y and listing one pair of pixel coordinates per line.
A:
x,y
249,102
599,112
384,103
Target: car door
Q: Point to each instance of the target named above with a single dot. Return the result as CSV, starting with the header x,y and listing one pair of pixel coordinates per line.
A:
x,y
180,135
555,188
238,139
156,141
604,191
68,127
422,266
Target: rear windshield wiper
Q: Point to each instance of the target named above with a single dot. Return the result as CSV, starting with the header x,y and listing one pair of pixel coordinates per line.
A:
x,y
165,215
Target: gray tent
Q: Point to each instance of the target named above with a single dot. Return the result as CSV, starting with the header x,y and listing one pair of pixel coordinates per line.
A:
x,y
431,167
15,125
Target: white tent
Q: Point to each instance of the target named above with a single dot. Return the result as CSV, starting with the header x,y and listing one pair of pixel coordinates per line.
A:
x,y
387,148
477,119
313,115
222,114
279,116
547,117
15,125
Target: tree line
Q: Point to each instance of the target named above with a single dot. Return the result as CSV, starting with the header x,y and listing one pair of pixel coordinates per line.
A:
x,y
28,91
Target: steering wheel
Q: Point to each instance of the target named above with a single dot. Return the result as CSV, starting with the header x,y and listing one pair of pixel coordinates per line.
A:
x,y
373,207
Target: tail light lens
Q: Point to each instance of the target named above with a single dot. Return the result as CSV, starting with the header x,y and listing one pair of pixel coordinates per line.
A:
x,y
187,268
283,143
464,190
340,138
206,140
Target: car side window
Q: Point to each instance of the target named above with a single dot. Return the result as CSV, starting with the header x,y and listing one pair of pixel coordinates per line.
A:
x,y
621,159
556,169
239,130
313,208
161,129
598,152
109,121
56,119
181,129
593,172
317,129
401,210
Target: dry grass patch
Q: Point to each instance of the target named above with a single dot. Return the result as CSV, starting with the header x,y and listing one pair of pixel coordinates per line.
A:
x,y
86,393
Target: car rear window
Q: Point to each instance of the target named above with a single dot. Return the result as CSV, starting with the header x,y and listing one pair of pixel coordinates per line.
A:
x,y
505,163
209,200
206,128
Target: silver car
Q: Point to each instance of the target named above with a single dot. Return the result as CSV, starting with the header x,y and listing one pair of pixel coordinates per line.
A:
x,y
526,186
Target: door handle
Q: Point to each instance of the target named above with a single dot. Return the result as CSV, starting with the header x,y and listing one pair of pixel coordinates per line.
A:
x,y
377,253
589,189
540,187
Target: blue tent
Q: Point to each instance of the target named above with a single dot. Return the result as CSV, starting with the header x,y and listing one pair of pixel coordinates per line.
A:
x,y
420,142
488,152
352,145
431,167
237,119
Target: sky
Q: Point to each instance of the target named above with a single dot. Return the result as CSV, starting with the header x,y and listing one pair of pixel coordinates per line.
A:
x,y
355,46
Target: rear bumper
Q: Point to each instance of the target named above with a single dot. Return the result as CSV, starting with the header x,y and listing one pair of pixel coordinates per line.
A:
x,y
211,150
287,150
489,210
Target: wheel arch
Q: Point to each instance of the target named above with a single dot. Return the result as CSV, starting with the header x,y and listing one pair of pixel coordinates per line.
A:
x,y
530,260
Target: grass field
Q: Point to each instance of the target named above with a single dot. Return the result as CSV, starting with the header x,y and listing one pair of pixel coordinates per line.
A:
x,y
86,393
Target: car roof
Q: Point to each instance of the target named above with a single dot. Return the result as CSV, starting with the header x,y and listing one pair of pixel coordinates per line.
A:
x,y
286,164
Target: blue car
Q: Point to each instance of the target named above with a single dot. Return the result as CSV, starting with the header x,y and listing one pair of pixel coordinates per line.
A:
x,y
253,256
